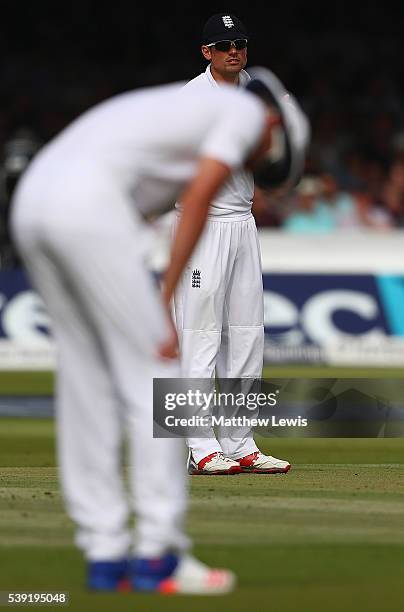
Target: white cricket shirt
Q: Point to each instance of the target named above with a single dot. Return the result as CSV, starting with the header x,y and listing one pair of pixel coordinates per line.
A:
x,y
235,197
147,143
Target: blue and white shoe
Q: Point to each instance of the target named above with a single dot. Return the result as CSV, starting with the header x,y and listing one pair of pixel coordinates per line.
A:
x,y
108,575
148,574
184,575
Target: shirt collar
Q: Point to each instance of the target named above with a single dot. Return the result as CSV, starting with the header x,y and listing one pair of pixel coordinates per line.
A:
x,y
244,77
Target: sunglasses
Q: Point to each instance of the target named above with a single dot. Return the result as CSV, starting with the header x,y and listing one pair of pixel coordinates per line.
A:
x,y
226,45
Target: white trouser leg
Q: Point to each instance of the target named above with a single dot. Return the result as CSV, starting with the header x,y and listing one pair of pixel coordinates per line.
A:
x,y
102,266
197,350
157,472
242,347
198,307
220,322
89,427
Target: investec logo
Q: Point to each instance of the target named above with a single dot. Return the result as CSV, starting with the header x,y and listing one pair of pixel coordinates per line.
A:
x,y
228,21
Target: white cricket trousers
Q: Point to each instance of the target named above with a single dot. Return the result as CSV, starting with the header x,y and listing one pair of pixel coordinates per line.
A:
x,y
83,250
219,315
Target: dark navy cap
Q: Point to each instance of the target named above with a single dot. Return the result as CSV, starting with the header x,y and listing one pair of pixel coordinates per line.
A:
x,y
223,26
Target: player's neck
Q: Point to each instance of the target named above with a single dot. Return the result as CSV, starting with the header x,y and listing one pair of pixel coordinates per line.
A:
x,y
230,79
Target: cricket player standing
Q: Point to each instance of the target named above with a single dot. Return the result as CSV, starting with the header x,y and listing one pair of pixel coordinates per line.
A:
x,y
78,220
219,302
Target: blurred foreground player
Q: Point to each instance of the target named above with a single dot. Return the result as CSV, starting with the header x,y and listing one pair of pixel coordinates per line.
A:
x,y
78,219
220,317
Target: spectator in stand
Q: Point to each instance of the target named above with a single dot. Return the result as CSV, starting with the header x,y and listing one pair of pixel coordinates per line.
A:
x,y
321,206
341,204
17,154
393,193
352,210
310,214
373,214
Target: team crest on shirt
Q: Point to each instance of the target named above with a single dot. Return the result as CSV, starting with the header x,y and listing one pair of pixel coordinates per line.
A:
x,y
196,279
228,21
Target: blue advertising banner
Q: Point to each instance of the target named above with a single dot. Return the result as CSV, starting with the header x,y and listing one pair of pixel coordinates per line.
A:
x,y
25,338
355,318
352,319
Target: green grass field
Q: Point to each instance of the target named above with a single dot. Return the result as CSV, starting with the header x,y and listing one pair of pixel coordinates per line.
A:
x,y
328,537
41,383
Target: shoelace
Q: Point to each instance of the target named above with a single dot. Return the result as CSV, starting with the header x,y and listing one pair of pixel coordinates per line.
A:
x,y
222,457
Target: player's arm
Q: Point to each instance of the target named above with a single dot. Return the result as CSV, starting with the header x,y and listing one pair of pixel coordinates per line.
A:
x,y
195,202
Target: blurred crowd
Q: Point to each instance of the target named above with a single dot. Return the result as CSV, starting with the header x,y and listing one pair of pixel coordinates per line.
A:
x,y
320,204
344,66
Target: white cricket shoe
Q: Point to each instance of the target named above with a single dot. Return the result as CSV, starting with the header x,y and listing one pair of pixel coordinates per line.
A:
x,y
258,463
191,577
213,464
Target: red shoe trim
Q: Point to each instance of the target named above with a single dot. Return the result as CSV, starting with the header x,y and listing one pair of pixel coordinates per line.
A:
x,y
253,470
216,578
205,460
248,459
233,470
168,587
124,586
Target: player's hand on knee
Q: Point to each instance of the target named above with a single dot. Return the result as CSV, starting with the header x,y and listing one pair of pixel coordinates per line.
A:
x,y
169,349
